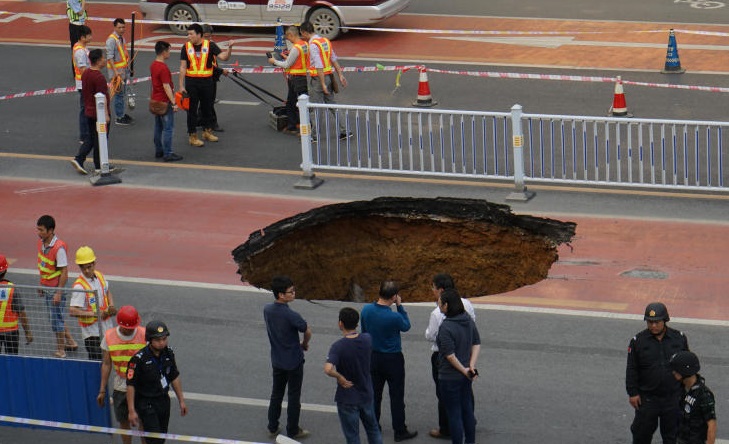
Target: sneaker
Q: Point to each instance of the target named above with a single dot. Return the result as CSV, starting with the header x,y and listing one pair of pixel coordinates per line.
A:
x,y
78,167
173,157
302,433
209,136
128,117
405,435
159,155
274,433
345,135
124,120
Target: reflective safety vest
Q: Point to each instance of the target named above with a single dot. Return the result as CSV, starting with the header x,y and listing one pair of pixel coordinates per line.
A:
x,y
302,63
8,318
122,351
47,263
76,17
325,49
91,303
124,62
198,65
76,69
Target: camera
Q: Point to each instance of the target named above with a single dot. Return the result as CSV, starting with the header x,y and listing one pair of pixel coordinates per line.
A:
x,y
269,55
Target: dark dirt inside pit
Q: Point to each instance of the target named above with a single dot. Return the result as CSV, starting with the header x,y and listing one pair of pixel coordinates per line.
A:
x,y
344,251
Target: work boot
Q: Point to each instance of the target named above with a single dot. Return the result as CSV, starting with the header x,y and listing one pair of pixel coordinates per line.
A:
x,y
209,136
194,141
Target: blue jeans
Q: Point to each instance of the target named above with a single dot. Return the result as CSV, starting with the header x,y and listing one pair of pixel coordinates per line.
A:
x,y
55,312
349,417
281,378
83,126
164,126
459,405
119,99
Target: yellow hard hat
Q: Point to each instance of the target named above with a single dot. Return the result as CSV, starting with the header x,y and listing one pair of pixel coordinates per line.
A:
x,y
85,255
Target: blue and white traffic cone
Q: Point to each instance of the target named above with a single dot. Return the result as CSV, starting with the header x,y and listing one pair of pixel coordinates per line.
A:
x,y
673,62
279,45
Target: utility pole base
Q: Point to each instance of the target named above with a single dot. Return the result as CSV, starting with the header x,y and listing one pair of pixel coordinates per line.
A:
x,y
520,195
308,182
104,179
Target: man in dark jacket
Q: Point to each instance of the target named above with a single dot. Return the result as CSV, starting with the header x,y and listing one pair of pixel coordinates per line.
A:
x,y
653,391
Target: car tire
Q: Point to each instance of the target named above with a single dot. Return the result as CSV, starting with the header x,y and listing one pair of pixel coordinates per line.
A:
x,y
326,23
181,13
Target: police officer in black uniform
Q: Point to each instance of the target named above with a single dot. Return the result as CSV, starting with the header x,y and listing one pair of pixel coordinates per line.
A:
x,y
150,374
697,424
652,389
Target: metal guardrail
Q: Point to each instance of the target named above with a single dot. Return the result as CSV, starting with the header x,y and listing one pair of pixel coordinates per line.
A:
x,y
595,151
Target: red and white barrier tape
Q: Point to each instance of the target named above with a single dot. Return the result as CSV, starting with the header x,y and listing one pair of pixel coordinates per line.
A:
x,y
111,430
525,76
404,68
59,90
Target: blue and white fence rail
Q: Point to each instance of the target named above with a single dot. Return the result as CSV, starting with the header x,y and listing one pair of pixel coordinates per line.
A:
x,y
584,150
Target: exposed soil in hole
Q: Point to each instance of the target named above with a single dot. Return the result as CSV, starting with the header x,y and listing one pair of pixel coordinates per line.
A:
x,y
344,251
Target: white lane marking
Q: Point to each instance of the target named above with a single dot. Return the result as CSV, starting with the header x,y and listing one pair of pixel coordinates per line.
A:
x,y
556,42
253,402
44,189
480,306
237,102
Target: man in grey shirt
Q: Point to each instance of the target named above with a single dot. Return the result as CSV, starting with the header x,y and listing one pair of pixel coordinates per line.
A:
x,y
118,67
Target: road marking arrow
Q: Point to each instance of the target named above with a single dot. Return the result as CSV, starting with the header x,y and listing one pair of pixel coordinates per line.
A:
x,y
556,42
37,18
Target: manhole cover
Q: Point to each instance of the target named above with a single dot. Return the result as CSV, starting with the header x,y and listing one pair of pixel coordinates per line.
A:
x,y
645,274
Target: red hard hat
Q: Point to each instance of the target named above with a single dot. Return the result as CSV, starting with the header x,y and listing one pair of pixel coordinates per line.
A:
x,y
3,264
182,100
128,317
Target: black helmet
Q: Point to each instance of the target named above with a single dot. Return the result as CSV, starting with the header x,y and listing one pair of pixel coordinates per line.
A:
x,y
156,329
656,311
685,363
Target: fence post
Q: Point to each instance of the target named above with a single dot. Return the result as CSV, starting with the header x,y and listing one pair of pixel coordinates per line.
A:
x,y
520,193
308,179
105,177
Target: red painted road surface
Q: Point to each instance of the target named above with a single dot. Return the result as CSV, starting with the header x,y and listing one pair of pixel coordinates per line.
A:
x,y
188,236
588,44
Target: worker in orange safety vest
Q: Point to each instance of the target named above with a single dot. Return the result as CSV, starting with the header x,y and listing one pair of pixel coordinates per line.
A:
x,y
91,302
296,66
53,268
119,345
11,311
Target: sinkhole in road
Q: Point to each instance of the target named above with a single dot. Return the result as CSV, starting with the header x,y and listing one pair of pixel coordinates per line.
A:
x,y
344,251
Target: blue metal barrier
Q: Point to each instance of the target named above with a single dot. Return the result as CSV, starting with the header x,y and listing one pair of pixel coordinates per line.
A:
x,y
51,389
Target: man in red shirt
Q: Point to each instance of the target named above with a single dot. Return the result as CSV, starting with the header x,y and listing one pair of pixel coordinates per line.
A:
x,y
163,91
93,81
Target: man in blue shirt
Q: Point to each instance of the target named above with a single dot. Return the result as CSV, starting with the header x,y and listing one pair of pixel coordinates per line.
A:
x,y
388,362
348,362
287,356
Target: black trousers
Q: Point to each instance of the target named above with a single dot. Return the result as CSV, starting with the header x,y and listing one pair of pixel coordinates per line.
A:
x,y
91,143
297,87
390,368
93,348
653,409
154,413
200,90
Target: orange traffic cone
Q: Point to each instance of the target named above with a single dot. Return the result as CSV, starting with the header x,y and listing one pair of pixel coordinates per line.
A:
x,y
425,100
620,107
